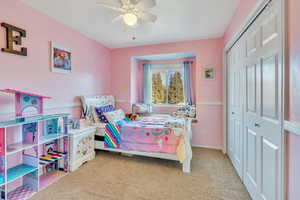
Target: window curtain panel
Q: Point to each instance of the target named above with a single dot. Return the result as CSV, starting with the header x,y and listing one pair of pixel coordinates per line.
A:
x,y
187,82
147,84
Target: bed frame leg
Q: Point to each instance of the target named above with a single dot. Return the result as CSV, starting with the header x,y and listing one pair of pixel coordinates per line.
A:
x,y
186,167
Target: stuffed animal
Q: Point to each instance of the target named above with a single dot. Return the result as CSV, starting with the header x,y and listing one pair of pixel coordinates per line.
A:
x,y
132,116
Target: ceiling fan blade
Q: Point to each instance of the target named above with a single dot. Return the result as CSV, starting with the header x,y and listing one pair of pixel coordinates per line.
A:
x,y
117,18
109,3
148,16
145,4
112,8
134,2
124,2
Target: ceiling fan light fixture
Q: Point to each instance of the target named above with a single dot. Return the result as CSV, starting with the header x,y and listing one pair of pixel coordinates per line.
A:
x,y
130,19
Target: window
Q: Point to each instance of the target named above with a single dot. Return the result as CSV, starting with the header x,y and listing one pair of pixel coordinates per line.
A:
x,y
168,84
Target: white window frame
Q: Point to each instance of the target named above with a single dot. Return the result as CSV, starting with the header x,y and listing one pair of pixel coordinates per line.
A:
x,y
166,67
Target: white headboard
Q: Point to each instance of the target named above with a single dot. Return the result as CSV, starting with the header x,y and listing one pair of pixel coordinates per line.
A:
x,y
92,101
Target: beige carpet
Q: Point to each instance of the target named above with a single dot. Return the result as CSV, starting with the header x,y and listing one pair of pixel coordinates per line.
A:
x,y
114,177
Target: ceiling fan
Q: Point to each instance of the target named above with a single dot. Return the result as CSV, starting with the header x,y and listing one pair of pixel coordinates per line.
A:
x,y
131,11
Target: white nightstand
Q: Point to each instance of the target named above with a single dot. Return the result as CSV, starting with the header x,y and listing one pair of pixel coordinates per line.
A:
x,y
82,146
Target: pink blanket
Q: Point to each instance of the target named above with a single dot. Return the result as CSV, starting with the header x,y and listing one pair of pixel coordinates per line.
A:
x,y
149,135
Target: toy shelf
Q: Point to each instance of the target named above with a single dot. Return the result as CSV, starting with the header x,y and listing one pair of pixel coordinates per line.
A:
x,y
48,138
21,137
33,154
19,171
31,119
16,147
53,160
23,187
24,141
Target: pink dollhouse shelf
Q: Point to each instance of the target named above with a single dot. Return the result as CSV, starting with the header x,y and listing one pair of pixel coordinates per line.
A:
x,y
49,178
51,137
14,148
19,171
23,192
12,91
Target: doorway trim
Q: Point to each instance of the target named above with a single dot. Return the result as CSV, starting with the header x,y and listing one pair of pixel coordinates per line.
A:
x,y
254,13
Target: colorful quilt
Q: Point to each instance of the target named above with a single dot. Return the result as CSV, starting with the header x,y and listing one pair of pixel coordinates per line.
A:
x,y
148,135
112,137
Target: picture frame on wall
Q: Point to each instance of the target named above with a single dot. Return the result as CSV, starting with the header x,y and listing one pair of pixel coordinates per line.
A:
x,y
61,59
209,73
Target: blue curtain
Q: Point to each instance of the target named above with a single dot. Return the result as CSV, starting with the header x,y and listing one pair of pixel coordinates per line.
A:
x,y
187,82
147,84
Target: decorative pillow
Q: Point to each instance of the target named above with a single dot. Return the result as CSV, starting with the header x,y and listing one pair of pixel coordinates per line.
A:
x,y
186,111
115,116
101,110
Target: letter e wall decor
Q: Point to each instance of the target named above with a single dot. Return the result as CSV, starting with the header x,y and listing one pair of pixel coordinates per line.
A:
x,y
12,39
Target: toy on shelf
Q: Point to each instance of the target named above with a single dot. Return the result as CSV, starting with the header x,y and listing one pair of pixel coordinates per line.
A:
x,y
33,148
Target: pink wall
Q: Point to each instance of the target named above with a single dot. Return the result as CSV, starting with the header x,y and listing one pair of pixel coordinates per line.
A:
x,y
293,141
208,53
238,18
91,60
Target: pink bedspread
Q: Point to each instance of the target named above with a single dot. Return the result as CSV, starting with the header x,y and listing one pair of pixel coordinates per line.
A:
x,y
148,135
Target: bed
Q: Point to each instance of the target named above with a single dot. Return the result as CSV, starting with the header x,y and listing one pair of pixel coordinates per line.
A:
x,y
161,136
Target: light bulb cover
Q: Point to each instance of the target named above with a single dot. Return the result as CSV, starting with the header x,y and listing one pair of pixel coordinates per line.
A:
x,y
130,19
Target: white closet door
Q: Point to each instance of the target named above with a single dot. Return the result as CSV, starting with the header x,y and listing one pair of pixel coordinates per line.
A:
x,y
236,95
263,107
259,109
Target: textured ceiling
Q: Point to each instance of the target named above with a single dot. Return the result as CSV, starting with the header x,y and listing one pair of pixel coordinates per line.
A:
x,y
178,20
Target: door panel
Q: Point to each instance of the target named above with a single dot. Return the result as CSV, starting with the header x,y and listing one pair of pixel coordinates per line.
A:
x,y
269,170
238,154
270,30
251,44
251,156
269,87
236,78
255,125
251,89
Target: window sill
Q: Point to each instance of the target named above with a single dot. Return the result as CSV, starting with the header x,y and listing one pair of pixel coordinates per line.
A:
x,y
167,105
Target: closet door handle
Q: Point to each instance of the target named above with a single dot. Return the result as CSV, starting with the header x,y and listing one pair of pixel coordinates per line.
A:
x,y
257,125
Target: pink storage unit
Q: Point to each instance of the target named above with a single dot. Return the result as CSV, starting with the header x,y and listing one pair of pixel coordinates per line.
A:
x,y
33,149
33,154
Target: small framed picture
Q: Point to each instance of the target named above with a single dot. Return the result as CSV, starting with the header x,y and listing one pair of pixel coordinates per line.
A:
x,y
209,73
60,59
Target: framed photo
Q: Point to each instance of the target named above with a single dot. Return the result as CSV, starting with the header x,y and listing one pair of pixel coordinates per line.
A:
x,y
209,73
60,59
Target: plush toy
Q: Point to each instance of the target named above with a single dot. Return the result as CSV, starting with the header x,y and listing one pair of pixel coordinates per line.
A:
x,y
132,116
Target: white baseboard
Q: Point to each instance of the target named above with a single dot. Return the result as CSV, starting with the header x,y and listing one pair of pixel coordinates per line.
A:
x,y
206,147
